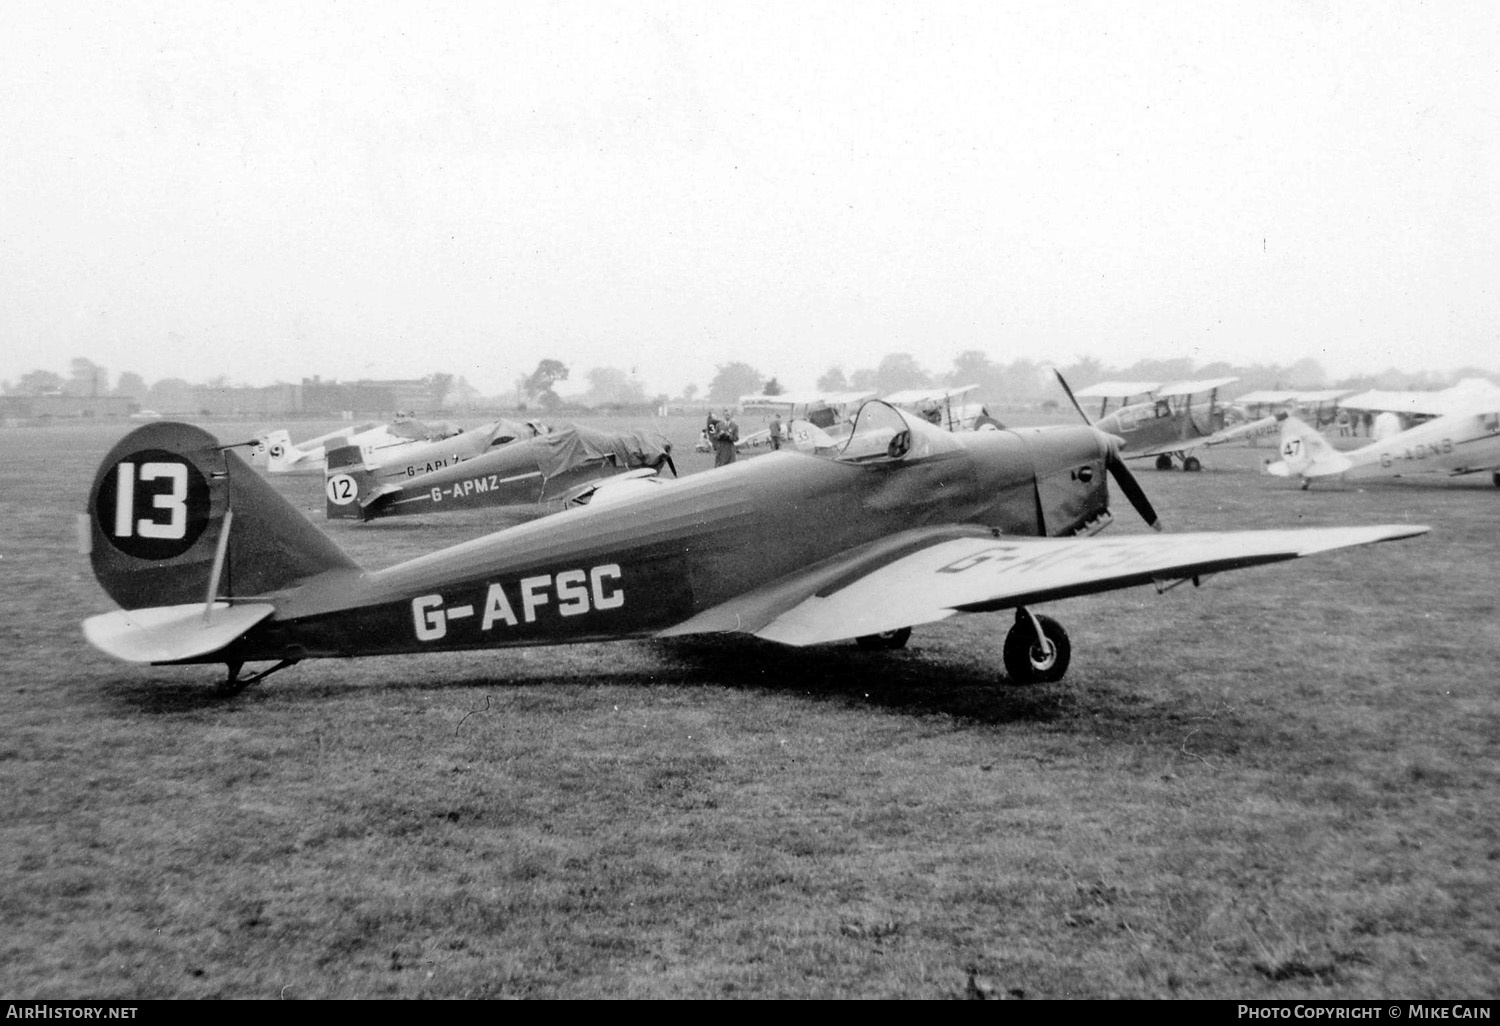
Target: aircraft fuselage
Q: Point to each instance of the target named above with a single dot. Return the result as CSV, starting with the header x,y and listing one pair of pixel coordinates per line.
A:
x,y
636,566
1453,444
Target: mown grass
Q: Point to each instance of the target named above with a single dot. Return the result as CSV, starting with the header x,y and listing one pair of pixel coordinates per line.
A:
x,y
1282,784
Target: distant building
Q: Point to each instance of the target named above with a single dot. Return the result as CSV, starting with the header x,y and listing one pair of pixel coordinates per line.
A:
x,y
366,396
269,401
66,407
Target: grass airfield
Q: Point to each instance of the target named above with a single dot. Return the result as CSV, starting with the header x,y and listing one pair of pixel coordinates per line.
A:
x,y
1283,784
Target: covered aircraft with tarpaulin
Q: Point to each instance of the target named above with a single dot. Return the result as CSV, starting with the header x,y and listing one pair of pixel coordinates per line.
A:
x,y
548,467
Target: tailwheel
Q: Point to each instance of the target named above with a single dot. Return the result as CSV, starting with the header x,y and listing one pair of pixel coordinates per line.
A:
x,y
1037,650
886,641
1164,462
1191,465
233,683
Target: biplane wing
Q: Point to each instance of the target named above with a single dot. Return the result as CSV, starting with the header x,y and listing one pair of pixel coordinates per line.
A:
x,y
1184,388
1118,389
1469,395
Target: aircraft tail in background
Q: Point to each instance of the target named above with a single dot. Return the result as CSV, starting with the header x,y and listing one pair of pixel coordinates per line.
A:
x,y
1306,454
348,484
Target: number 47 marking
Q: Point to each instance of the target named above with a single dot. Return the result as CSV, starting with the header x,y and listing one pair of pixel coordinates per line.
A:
x,y
174,501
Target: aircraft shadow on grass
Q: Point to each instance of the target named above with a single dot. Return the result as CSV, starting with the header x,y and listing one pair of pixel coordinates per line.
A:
x,y
909,683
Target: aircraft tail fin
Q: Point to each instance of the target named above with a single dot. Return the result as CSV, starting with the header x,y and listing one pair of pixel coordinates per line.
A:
x,y
174,518
1306,453
349,484
281,455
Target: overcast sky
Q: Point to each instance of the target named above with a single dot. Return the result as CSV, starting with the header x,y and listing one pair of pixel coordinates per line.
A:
x,y
274,190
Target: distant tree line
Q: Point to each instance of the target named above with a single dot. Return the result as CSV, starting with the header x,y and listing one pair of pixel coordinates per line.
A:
x,y
1019,382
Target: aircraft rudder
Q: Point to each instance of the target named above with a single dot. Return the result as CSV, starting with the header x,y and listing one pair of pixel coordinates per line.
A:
x,y
280,452
154,510
347,483
157,509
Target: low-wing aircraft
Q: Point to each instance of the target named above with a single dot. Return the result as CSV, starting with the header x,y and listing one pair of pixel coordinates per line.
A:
x,y
1167,425
913,525
1453,444
289,453
534,470
402,462
937,406
282,457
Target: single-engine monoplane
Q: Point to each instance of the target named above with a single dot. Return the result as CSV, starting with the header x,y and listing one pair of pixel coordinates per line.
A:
x,y
403,462
310,457
533,470
906,524
1453,444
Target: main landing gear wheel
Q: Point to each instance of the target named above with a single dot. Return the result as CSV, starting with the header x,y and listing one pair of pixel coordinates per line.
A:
x,y
1495,477
1030,659
1191,465
1164,462
887,641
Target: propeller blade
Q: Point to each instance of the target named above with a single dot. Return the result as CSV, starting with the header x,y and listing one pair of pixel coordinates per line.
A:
x,y
1063,382
670,463
1132,488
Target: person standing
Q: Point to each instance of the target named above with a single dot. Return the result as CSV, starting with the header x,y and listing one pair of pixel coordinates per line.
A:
x,y
724,439
775,432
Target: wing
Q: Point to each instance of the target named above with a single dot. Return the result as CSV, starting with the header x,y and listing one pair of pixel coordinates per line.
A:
x,y
1255,428
1181,388
931,574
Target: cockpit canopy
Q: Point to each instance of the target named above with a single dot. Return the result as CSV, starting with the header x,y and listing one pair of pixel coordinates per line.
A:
x,y
882,433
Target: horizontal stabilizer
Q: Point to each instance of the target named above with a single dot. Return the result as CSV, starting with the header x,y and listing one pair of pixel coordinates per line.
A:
x,y
171,634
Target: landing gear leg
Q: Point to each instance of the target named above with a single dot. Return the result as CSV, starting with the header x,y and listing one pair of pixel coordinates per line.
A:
x,y
233,684
1037,649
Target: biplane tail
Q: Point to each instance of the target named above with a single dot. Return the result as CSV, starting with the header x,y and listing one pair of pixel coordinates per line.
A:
x,y
190,540
349,485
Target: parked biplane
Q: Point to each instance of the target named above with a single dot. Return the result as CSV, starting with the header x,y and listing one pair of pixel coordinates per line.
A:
x,y
1166,424
938,405
810,420
1397,411
534,470
1257,416
906,524
1453,444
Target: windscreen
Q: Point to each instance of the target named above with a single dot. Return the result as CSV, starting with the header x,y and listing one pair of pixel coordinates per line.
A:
x,y
882,432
